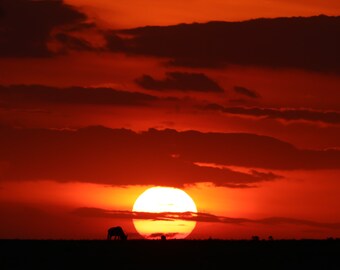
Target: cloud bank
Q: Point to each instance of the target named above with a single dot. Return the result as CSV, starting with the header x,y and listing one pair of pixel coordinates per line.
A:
x,y
15,95
158,157
309,43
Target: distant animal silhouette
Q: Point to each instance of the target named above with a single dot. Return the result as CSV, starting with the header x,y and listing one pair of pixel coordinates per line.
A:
x,y
117,233
255,238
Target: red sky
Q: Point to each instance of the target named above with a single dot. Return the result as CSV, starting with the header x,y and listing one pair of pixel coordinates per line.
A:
x,y
134,13
243,114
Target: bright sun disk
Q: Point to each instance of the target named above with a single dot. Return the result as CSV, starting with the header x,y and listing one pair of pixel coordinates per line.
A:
x,y
159,200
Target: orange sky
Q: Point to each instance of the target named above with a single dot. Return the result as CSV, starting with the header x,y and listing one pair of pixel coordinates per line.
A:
x,y
243,116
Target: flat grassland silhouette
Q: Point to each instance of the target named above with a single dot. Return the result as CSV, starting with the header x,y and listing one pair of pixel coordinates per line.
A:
x,y
170,254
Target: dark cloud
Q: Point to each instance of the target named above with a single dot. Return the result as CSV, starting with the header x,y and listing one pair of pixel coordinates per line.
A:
x,y
114,156
74,43
154,157
16,95
32,221
181,81
26,26
308,43
115,43
327,117
293,221
102,213
200,217
246,92
242,149
19,220
168,216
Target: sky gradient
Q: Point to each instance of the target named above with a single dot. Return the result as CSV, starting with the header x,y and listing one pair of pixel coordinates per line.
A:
x,y
238,104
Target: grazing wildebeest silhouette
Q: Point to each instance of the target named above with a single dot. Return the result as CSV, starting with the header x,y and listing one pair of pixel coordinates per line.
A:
x,y
117,233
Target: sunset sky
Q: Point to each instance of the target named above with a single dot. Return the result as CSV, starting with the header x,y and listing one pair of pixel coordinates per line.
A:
x,y
235,102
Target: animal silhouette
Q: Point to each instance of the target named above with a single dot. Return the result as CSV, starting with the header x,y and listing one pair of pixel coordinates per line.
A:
x,y
117,233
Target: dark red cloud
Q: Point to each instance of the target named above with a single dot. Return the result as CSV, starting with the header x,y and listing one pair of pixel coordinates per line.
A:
x,y
288,114
16,95
34,221
107,156
182,81
199,217
154,157
308,43
242,149
246,92
73,43
19,220
26,27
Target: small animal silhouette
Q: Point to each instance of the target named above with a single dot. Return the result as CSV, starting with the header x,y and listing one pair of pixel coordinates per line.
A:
x,y
255,238
117,233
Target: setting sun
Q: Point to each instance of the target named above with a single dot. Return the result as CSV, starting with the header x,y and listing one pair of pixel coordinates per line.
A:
x,y
164,200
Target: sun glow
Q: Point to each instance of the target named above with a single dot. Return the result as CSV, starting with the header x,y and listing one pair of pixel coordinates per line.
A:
x,y
162,200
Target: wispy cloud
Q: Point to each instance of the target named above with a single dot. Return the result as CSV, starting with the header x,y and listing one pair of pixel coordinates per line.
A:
x,y
15,95
200,217
287,114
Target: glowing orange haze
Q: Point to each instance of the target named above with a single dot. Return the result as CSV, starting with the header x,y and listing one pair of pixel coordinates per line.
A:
x,y
291,197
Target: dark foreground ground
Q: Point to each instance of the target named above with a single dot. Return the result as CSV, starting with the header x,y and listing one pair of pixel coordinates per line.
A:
x,y
170,254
